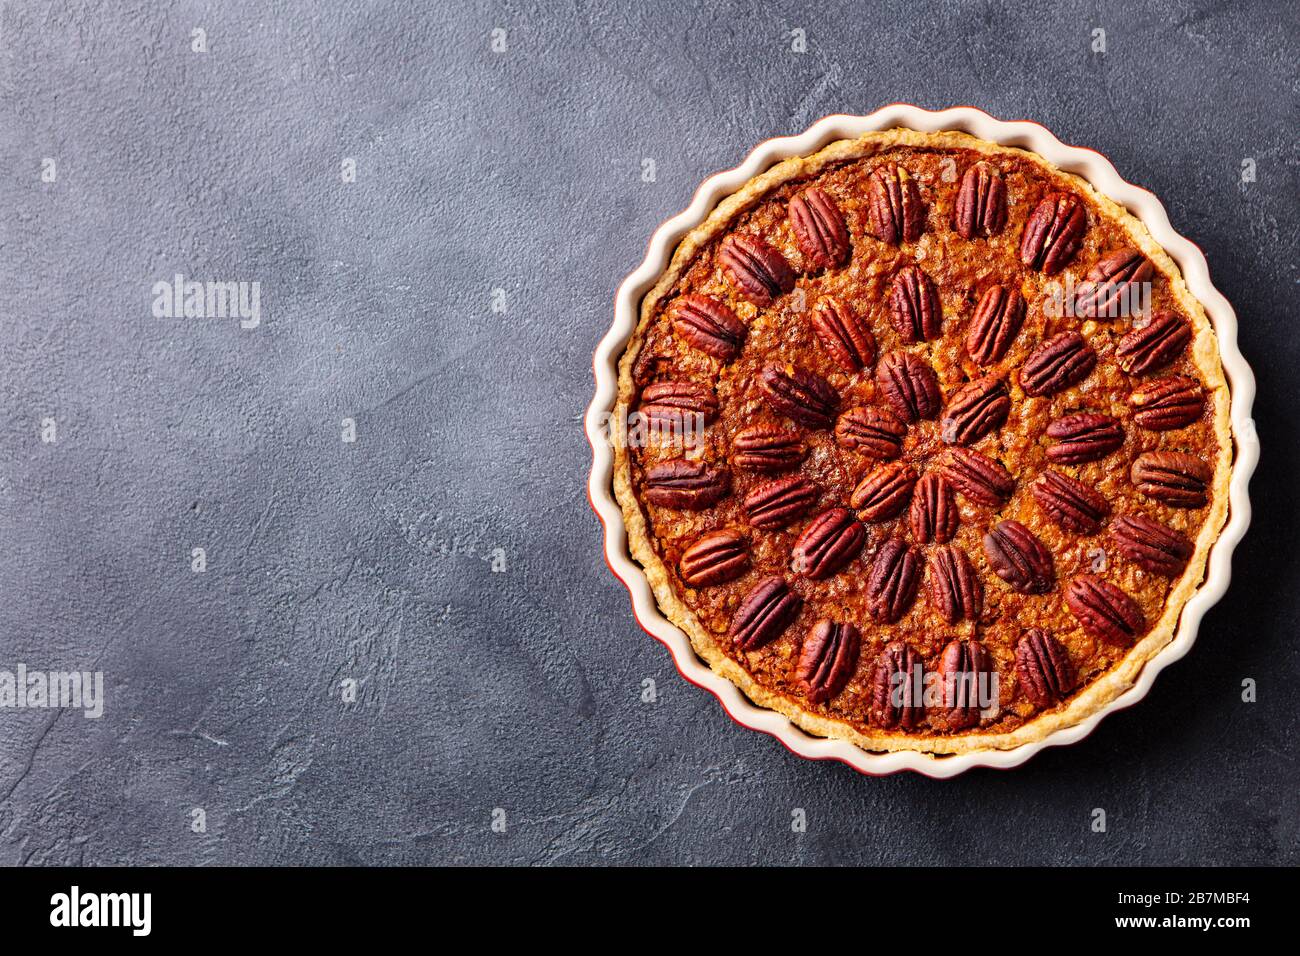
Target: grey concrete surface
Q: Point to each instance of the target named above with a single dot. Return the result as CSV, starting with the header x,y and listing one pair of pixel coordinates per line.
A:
x,y
373,561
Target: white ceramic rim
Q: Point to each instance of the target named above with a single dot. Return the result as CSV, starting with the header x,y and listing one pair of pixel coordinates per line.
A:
x,y
1087,163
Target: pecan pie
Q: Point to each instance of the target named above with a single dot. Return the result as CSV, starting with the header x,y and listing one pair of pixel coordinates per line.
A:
x,y
928,443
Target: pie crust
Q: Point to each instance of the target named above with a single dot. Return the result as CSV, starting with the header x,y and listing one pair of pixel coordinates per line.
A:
x,y
764,682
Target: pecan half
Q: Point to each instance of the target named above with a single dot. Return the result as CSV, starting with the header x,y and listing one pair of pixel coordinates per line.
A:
x,y
819,229
843,334
1043,668
830,541
758,271
767,449
1083,437
677,406
1070,503
708,325
1019,558
895,213
884,493
1151,545
764,614
1167,403
964,669
650,367
981,202
897,683
827,659
1114,286
892,581
1053,233
910,386
1058,363
872,431
934,510
996,324
914,308
775,504
685,485
978,477
800,395
1154,345
954,588
715,558
1104,610
1178,479
978,408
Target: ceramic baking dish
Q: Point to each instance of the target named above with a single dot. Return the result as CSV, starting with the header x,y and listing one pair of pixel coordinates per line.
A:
x,y
1086,163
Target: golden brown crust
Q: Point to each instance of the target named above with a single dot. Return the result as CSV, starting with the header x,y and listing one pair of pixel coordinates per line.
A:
x,y
1098,694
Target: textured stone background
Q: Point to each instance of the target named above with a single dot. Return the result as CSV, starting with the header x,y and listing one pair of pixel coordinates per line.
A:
x,y
521,171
